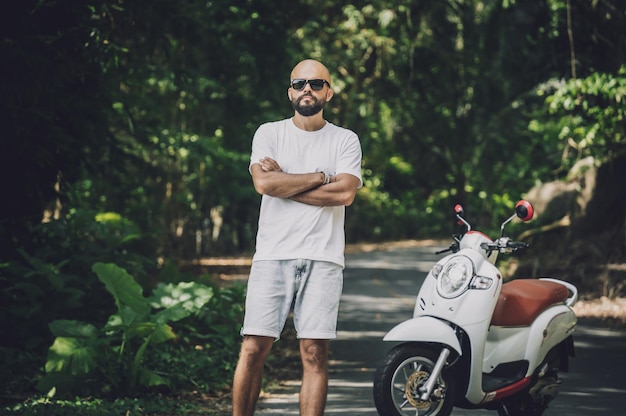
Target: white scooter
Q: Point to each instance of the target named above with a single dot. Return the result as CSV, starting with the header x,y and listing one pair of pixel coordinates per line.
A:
x,y
475,341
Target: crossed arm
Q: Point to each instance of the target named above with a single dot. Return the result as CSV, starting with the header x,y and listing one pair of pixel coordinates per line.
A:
x,y
308,188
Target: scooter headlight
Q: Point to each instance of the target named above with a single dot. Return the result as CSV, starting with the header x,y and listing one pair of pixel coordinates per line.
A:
x,y
481,283
436,270
455,276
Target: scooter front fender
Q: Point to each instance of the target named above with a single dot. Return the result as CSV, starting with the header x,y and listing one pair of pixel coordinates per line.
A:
x,y
425,329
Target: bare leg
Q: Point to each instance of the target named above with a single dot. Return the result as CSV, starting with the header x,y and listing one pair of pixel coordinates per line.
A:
x,y
314,388
249,373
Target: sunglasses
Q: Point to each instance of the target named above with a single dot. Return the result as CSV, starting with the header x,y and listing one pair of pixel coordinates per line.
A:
x,y
316,84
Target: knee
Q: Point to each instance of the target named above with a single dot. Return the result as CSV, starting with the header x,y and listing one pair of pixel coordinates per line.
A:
x,y
314,355
255,349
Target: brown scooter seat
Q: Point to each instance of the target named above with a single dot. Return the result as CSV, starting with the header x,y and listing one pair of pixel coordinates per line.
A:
x,y
521,301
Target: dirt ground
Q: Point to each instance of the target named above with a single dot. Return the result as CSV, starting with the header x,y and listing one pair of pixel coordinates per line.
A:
x,y
609,311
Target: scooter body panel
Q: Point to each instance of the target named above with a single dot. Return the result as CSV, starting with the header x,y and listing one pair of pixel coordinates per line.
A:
x,y
547,331
530,343
424,329
505,344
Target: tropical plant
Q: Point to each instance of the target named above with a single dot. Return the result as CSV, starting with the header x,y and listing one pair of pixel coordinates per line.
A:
x,y
88,359
51,278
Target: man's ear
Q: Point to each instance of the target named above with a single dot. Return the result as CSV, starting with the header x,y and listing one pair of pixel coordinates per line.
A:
x,y
329,94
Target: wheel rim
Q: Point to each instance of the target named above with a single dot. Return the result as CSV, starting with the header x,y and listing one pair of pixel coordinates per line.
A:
x,y
410,375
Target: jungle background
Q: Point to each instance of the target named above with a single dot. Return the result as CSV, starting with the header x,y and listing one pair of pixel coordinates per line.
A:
x,y
125,138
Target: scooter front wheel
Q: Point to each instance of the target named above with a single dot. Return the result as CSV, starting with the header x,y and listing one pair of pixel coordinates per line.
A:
x,y
397,381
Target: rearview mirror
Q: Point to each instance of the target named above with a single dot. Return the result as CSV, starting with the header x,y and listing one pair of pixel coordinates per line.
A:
x,y
524,210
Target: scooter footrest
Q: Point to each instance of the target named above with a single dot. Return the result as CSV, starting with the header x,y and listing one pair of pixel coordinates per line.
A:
x,y
504,375
496,383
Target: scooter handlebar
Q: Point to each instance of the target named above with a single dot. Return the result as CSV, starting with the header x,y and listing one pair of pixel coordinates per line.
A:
x,y
504,245
516,245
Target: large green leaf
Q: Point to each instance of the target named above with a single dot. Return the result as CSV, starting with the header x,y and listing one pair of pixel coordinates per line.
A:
x,y
72,329
123,287
179,301
72,356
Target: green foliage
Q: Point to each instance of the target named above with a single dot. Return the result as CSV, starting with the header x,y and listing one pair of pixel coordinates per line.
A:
x,y
436,91
86,359
440,92
588,116
205,355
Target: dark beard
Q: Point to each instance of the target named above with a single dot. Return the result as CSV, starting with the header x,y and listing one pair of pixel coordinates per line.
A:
x,y
307,110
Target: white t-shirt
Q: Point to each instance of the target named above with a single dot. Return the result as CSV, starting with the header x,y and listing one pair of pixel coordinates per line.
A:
x,y
290,229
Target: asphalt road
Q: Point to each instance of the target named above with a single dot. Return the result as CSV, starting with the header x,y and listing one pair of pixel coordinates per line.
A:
x,y
379,292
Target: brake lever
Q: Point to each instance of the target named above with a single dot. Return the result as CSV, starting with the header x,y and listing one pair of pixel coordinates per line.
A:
x,y
443,251
454,247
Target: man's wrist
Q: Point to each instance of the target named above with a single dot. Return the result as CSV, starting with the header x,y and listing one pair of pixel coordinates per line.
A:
x,y
326,178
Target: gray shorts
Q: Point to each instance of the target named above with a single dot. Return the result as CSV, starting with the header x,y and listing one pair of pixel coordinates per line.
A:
x,y
313,287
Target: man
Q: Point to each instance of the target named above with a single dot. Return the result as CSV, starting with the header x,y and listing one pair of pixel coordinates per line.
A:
x,y
307,171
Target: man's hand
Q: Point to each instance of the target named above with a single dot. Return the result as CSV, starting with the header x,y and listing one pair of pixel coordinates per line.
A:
x,y
269,165
341,190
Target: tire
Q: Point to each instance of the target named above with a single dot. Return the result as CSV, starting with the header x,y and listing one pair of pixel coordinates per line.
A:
x,y
404,369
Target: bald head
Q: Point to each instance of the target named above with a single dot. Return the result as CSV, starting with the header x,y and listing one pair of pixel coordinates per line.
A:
x,y
310,69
